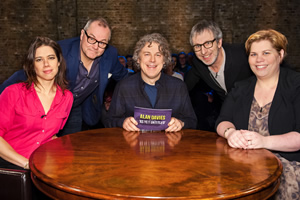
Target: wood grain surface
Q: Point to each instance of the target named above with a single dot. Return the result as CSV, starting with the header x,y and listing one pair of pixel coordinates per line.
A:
x,y
116,164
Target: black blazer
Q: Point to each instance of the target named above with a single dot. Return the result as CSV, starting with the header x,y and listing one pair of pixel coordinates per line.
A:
x,y
284,115
236,69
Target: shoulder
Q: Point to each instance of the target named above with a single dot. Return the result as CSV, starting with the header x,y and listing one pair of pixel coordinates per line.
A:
x,y
197,63
14,90
246,82
17,87
110,50
244,86
130,80
69,45
69,41
68,94
289,79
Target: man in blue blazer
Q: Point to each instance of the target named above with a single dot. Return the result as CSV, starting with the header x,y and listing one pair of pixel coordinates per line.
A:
x,y
90,64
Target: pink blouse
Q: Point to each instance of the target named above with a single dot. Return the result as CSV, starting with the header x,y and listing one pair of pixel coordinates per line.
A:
x,y
23,121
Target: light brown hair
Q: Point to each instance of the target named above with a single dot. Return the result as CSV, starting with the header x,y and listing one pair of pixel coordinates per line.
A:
x,y
277,40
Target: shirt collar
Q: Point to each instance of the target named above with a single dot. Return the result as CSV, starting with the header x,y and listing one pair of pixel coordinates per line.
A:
x,y
158,83
58,96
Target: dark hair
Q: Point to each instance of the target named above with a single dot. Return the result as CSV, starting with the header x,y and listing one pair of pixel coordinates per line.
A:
x,y
128,56
163,47
28,65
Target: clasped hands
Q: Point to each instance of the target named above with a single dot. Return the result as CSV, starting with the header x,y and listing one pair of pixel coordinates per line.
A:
x,y
245,139
130,124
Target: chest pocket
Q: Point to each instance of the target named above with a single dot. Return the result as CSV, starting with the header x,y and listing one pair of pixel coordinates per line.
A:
x,y
60,117
25,119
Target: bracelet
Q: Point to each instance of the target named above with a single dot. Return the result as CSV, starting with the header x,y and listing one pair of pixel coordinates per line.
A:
x,y
26,166
227,129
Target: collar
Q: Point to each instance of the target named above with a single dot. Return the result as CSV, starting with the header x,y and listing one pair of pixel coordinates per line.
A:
x,y
158,83
58,95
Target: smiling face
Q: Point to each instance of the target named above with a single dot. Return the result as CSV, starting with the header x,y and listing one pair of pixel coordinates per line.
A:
x,y
211,55
45,64
100,33
151,62
264,60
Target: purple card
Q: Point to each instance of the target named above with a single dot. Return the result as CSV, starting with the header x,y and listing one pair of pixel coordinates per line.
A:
x,y
152,119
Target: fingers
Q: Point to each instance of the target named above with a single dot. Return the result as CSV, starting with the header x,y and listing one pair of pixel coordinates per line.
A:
x,y
247,140
255,140
174,125
130,124
237,140
54,137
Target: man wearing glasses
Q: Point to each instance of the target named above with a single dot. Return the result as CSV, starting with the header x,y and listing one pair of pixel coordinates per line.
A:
x,y
216,65
90,63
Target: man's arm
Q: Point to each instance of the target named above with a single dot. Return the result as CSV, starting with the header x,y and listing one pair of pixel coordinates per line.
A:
x,y
193,76
187,114
116,112
17,77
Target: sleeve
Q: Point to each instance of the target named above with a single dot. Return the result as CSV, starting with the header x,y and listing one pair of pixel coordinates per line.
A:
x,y
18,76
8,99
69,103
117,110
188,115
229,105
192,77
296,103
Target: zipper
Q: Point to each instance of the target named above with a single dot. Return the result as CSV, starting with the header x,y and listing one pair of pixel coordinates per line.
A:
x,y
216,82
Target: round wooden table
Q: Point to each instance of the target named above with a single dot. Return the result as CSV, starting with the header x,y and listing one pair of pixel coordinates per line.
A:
x,y
116,164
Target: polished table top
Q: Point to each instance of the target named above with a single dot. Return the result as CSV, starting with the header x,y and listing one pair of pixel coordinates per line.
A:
x,y
116,164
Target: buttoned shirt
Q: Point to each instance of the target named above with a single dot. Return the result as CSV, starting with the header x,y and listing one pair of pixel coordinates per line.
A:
x,y
86,82
24,125
171,94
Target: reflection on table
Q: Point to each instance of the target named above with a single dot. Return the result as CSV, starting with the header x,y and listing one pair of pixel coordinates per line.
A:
x,y
116,164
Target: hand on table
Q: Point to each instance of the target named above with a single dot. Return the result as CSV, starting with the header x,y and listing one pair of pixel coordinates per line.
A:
x,y
236,139
255,140
174,125
130,124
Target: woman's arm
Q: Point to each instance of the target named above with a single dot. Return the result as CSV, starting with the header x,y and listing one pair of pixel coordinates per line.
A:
x,y
287,142
234,137
10,155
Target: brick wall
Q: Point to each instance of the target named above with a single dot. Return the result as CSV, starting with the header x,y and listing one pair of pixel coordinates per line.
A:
x,y
22,20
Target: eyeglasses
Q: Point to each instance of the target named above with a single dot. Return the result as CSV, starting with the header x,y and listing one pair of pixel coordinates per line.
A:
x,y
92,40
207,45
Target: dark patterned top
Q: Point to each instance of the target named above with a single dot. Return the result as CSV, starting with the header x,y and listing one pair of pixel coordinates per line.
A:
x,y
258,118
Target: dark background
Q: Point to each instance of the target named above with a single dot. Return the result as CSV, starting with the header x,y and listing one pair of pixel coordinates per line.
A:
x,y
22,20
